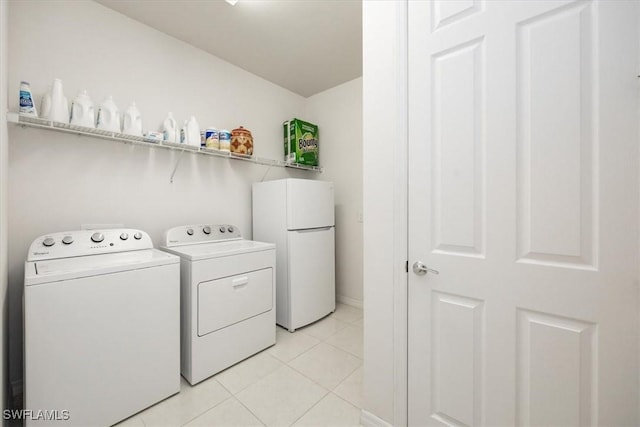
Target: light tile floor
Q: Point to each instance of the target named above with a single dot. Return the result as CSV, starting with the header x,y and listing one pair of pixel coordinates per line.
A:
x,y
312,377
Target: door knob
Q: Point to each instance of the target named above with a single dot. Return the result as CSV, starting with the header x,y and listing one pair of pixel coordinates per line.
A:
x,y
420,269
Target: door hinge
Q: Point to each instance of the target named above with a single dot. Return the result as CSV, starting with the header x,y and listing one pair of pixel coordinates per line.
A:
x,y
406,266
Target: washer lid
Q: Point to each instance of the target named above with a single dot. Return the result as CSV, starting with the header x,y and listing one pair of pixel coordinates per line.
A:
x,y
37,272
219,249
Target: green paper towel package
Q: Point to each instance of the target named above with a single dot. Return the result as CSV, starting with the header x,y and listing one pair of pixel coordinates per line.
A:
x,y
301,142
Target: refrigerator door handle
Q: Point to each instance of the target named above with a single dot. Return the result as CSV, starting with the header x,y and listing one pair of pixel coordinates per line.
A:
x,y
311,230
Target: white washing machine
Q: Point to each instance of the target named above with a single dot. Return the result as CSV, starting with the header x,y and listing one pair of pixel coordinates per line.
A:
x,y
227,297
101,327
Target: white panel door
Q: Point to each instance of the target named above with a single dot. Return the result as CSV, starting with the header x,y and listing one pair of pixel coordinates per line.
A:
x,y
523,194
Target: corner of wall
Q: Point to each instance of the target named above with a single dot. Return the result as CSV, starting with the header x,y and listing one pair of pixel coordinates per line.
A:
x,y
338,113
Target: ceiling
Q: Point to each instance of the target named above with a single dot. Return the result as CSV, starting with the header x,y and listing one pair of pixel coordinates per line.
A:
x,y
306,46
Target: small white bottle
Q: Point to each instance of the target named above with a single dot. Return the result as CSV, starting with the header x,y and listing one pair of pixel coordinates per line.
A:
x,y
108,116
169,129
132,121
27,105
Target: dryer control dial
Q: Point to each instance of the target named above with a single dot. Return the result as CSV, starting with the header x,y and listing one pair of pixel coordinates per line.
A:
x,y
222,229
48,242
97,237
124,236
137,236
190,231
67,240
207,230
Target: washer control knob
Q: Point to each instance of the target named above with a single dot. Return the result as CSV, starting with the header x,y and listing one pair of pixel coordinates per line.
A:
x,y
222,229
49,241
67,240
230,229
124,236
138,235
190,231
207,230
97,237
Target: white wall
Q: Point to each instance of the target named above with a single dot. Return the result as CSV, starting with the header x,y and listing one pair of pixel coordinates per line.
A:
x,y
338,112
4,33
384,201
60,181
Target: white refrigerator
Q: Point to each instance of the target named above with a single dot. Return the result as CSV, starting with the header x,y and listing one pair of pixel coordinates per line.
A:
x,y
298,216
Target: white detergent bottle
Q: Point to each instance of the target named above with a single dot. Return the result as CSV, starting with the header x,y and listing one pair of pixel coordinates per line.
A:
x,y
192,130
59,105
108,116
82,111
132,121
45,106
169,129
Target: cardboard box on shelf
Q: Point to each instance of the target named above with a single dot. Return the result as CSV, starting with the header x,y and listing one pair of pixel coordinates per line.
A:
x,y
301,142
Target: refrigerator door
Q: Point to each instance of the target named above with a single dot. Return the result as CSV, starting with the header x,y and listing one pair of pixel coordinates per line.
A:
x,y
311,275
310,204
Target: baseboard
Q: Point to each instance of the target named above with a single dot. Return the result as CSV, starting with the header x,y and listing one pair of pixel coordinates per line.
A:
x,y
367,419
349,301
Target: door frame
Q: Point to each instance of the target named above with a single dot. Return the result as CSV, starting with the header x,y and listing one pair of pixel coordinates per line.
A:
x,y
401,225
401,221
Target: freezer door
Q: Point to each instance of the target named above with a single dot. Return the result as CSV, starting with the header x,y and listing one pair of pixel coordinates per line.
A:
x,y
310,204
311,275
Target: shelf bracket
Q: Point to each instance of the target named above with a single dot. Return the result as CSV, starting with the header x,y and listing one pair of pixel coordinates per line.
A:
x,y
175,168
265,173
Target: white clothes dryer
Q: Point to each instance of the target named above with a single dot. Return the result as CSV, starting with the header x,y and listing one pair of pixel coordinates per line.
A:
x,y
101,327
227,297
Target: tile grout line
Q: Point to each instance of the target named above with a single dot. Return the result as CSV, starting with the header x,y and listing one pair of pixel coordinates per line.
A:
x,y
312,406
318,402
327,390
266,353
346,351
209,409
300,373
346,401
314,381
317,383
295,357
250,411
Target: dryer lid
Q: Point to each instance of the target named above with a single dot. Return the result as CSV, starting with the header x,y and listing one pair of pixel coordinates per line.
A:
x,y
219,249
